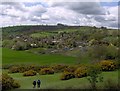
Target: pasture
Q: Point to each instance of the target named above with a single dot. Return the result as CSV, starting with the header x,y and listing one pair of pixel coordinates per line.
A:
x,y
22,57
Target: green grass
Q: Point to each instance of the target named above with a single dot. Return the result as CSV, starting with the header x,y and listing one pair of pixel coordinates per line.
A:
x,y
22,57
54,82
53,33
67,30
43,34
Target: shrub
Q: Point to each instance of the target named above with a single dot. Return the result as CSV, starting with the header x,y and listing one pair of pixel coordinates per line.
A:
x,y
59,67
45,71
67,75
16,84
13,69
94,72
70,69
8,82
30,73
18,69
81,72
108,65
23,68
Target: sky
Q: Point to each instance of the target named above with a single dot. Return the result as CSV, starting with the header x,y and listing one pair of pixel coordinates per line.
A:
x,y
69,12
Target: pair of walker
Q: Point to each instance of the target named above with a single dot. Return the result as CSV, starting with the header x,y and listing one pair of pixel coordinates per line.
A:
x,y
36,82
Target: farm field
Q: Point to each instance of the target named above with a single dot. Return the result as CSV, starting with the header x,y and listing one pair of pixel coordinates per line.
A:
x,y
54,82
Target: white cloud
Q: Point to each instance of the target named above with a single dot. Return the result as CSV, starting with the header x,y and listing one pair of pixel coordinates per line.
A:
x,y
37,10
93,8
72,13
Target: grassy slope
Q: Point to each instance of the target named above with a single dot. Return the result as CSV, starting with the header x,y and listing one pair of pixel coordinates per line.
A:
x,y
53,33
21,57
54,82
42,34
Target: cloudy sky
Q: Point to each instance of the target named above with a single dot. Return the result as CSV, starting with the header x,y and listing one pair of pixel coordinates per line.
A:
x,y
76,12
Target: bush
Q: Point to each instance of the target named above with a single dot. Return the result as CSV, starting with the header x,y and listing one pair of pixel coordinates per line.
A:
x,y
45,71
13,69
30,73
16,84
8,82
67,75
59,67
81,72
18,69
94,75
23,68
108,65
70,69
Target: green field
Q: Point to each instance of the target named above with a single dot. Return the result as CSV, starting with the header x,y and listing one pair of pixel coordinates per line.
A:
x,y
54,82
22,57
43,34
53,33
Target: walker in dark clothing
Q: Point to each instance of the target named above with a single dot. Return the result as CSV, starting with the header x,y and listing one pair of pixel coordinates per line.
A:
x,y
34,83
38,83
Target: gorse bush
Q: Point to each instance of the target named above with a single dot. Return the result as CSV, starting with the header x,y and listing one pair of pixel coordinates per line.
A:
x,y
59,67
67,75
108,65
23,68
30,73
16,84
45,71
18,69
8,82
81,72
14,69
70,69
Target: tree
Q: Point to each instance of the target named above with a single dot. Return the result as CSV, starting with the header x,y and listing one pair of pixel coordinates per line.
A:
x,y
94,76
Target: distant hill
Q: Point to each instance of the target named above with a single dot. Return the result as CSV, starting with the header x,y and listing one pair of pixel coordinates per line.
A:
x,y
35,27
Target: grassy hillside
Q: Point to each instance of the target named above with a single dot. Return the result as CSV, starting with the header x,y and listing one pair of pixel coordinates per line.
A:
x,y
22,57
43,34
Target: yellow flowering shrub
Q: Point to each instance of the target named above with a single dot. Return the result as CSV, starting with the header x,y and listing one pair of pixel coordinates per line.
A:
x,y
30,73
8,82
58,67
108,65
67,75
45,71
81,72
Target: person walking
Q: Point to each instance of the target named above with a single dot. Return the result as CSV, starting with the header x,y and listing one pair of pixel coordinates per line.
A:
x,y
38,83
34,84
